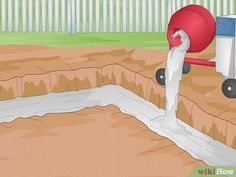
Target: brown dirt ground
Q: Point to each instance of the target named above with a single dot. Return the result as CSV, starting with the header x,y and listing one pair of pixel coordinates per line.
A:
x,y
99,141
211,113
202,85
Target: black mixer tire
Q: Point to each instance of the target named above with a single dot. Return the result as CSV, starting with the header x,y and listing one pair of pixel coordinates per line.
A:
x,y
186,68
229,88
160,76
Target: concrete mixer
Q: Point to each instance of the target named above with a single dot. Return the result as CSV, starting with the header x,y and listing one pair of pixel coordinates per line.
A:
x,y
201,28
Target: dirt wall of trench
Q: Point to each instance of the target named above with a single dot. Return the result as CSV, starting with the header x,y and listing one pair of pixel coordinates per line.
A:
x,y
88,77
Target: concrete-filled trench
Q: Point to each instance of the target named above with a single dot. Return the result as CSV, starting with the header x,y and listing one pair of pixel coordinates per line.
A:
x,y
41,71
198,145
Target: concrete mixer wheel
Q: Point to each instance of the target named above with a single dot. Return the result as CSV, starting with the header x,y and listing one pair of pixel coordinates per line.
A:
x,y
229,88
160,76
186,68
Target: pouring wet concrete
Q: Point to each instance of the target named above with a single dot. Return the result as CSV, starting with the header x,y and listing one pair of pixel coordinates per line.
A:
x,y
197,144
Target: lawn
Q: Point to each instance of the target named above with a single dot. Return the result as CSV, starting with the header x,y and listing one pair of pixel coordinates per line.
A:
x,y
143,40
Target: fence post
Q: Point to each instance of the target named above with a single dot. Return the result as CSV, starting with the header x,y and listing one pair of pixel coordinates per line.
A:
x,y
17,15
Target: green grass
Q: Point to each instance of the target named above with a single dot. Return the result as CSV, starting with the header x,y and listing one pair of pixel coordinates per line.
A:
x,y
142,40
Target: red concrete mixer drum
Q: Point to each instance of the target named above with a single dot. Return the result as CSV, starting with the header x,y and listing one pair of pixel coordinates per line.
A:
x,y
197,22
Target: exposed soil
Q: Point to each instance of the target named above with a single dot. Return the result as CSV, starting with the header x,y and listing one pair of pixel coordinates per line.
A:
x,y
33,70
99,141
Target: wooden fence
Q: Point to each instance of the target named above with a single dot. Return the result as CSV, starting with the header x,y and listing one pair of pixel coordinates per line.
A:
x,y
97,15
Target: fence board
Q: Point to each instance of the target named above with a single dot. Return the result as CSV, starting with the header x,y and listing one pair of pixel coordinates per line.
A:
x,y
205,4
212,7
137,16
30,16
163,16
184,3
124,16
178,4
78,15
50,16
131,15
37,16
173,6
118,16
63,15
3,15
156,10
198,2
105,15
84,15
68,15
225,7
111,15
17,15
90,15
169,9
218,7
97,11
144,15
73,17
150,16
24,16
232,3
44,11
56,15
10,15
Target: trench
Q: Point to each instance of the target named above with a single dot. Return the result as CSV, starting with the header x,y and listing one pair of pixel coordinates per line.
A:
x,y
197,144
